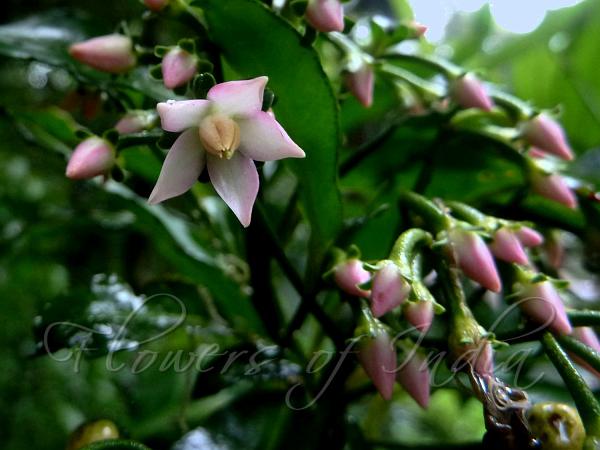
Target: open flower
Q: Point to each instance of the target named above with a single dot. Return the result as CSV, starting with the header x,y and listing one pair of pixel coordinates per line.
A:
x,y
225,133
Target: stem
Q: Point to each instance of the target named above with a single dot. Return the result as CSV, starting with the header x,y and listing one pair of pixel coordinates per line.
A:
x,y
444,67
578,348
433,216
467,213
584,318
413,80
308,303
426,172
406,248
587,405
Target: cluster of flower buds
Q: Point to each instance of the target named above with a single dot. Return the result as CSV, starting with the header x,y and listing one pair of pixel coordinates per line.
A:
x,y
92,157
112,53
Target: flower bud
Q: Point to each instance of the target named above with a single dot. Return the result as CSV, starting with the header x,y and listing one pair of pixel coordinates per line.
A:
x,y
135,121
111,53
419,314
541,304
377,356
92,157
553,187
413,375
349,275
468,92
178,67
474,258
156,5
529,237
389,289
325,15
468,344
545,134
417,28
507,247
360,83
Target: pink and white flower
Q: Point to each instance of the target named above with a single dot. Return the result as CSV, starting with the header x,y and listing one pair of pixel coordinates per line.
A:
x,y
223,133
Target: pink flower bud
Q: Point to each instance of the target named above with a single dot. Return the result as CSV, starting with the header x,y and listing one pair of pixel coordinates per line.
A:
x,y
91,158
541,303
413,375
468,92
507,247
135,121
360,83
587,336
529,237
377,356
389,289
111,53
419,314
178,67
349,274
543,132
325,15
553,187
156,5
418,29
474,258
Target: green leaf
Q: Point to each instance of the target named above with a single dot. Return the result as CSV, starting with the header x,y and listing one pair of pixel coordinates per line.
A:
x,y
257,42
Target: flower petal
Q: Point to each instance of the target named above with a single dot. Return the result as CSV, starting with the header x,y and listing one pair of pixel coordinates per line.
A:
x,y
182,167
238,98
236,181
263,139
177,116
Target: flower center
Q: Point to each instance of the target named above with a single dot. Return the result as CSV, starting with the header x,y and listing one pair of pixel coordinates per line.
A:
x,y
220,135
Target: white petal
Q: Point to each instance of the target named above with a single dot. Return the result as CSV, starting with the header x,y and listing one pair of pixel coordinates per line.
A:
x,y
238,98
182,167
236,181
177,116
263,139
